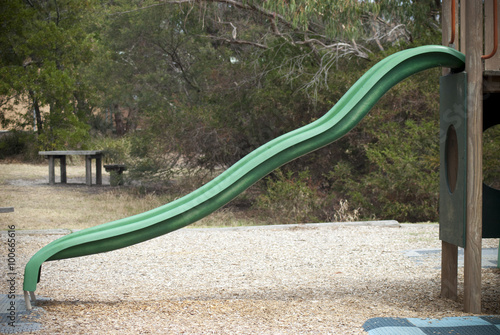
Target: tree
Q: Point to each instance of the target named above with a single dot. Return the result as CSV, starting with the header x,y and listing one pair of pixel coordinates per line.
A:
x,y
292,35
213,80
44,45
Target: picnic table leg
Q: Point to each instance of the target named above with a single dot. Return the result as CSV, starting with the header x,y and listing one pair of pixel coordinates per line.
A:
x,y
62,160
98,170
52,174
88,170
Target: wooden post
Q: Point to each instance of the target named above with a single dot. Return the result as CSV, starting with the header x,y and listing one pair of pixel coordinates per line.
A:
x,y
449,270
446,26
88,170
52,174
449,252
64,178
98,169
493,63
474,49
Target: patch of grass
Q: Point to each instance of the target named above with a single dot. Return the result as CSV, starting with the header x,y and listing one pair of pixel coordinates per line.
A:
x,y
22,171
74,206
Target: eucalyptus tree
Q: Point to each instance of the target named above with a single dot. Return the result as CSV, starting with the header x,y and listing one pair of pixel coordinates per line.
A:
x,y
212,80
306,38
43,45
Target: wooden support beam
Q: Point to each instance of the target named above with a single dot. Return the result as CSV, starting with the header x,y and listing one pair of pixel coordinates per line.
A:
x,y
52,174
474,47
449,271
98,170
88,170
463,32
449,252
491,64
62,162
447,26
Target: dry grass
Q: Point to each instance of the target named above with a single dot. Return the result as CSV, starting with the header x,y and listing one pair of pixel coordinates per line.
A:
x,y
75,205
26,171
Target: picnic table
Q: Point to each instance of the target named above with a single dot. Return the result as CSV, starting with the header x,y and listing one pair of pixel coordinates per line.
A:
x,y
61,155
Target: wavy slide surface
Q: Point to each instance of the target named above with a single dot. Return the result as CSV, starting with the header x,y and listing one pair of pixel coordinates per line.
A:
x,y
346,114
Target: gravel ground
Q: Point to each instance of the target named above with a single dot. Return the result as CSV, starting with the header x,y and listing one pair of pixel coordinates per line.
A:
x,y
292,280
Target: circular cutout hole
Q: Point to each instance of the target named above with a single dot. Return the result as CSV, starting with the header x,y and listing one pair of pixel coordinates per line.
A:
x,y
491,157
451,158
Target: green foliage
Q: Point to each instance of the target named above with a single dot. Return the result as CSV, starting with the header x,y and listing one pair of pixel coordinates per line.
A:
x,y
352,19
12,144
191,88
398,175
406,182
19,145
117,149
65,131
344,18
289,198
491,157
43,46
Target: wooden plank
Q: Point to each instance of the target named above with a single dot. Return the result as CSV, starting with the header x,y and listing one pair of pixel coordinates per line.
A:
x,y
452,217
52,174
62,161
449,271
446,26
474,67
494,62
453,158
70,152
88,170
98,170
449,252
463,32
6,209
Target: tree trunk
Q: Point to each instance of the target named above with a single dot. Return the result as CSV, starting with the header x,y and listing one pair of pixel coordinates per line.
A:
x,y
119,124
38,115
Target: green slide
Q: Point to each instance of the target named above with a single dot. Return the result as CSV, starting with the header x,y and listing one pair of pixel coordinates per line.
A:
x,y
346,114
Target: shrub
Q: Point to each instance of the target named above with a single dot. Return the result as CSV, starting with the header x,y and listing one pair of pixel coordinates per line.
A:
x,y
289,197
403,181
491,157
19,144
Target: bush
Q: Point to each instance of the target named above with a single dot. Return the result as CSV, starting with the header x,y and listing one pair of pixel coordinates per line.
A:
x,y
117,149
289,198
18,144
491,157
403,181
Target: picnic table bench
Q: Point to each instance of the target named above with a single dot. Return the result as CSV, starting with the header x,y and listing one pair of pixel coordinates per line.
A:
x,y
115,173
61,155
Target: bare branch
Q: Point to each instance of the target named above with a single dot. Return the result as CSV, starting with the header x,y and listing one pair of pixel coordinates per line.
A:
x,y
234,3
138,9
346,48
30,3
58,18
231,41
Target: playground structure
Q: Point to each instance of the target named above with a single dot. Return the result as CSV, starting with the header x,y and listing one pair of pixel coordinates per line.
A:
x,y
469,210
464,92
